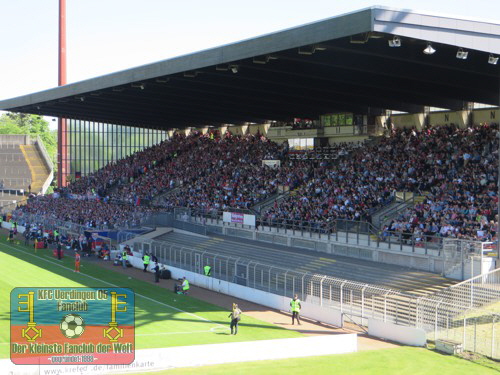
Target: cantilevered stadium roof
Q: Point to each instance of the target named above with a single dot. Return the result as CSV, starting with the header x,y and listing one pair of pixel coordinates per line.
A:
x,y
361,62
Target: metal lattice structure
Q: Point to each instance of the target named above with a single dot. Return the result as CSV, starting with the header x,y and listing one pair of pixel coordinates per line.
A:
x,y
453,314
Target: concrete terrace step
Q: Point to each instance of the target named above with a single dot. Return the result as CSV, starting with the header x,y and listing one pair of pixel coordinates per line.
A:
x,y
389,276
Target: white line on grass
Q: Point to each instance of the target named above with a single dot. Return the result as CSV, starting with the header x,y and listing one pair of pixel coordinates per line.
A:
x,y
137,294
173,333
161,333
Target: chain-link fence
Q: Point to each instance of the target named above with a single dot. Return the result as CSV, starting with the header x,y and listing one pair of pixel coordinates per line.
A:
x,y
467,313
476,330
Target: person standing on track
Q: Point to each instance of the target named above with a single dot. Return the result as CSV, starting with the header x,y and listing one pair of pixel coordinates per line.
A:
x,y
145,261
156,269
207,270
235,319
77,262
59,250
295,306
185,285
27,236
124,258
10,238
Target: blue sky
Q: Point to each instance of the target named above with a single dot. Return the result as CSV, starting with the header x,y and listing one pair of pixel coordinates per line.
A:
x,y
105,36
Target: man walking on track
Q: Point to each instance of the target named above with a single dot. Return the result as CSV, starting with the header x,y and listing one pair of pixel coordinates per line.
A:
x,y
295,307
235,318
77,262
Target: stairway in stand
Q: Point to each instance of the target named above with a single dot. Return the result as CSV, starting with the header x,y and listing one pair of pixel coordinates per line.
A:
x,y
39,170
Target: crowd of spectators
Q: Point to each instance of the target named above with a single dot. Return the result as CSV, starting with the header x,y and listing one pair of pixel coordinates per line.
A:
x,y
90,201
461,179
128,169
90,213
222,173
455,168
200,171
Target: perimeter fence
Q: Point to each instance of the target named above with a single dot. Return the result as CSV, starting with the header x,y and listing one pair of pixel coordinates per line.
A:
x,y
459,312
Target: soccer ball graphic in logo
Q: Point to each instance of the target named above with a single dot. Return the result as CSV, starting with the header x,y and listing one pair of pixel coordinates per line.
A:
x,y
72,326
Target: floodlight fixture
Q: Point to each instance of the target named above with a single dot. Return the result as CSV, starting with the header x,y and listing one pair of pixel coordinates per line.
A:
x,y
307,50
234,68
493,60
395,42
260,60
461,54
139,85
190,74
429,50
360,38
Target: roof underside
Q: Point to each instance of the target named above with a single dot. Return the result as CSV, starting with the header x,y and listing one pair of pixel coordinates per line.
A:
x,y
339,64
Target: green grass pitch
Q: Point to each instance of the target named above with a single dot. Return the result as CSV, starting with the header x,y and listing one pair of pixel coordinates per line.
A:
x,y
159,325
160,321
398,361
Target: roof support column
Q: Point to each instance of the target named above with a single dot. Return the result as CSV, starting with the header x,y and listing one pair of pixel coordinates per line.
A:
x,y
469,114
62,147
498,188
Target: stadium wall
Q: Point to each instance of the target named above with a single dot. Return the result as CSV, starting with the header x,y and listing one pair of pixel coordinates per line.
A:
x,y
348,244
460,118
15,139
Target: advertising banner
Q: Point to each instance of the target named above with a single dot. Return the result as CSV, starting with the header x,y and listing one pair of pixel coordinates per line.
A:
x,y
239,218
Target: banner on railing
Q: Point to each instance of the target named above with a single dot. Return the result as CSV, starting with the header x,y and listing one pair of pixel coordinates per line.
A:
x,y
239,218
272,163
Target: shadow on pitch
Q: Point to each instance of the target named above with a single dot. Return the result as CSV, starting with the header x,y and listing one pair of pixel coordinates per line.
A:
x,y
146,294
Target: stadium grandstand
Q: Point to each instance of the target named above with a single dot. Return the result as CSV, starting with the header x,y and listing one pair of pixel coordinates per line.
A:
x,y
353,161
26,169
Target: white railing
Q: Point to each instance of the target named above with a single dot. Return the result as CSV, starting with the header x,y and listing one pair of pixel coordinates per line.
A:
x,y
447,314
48,162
